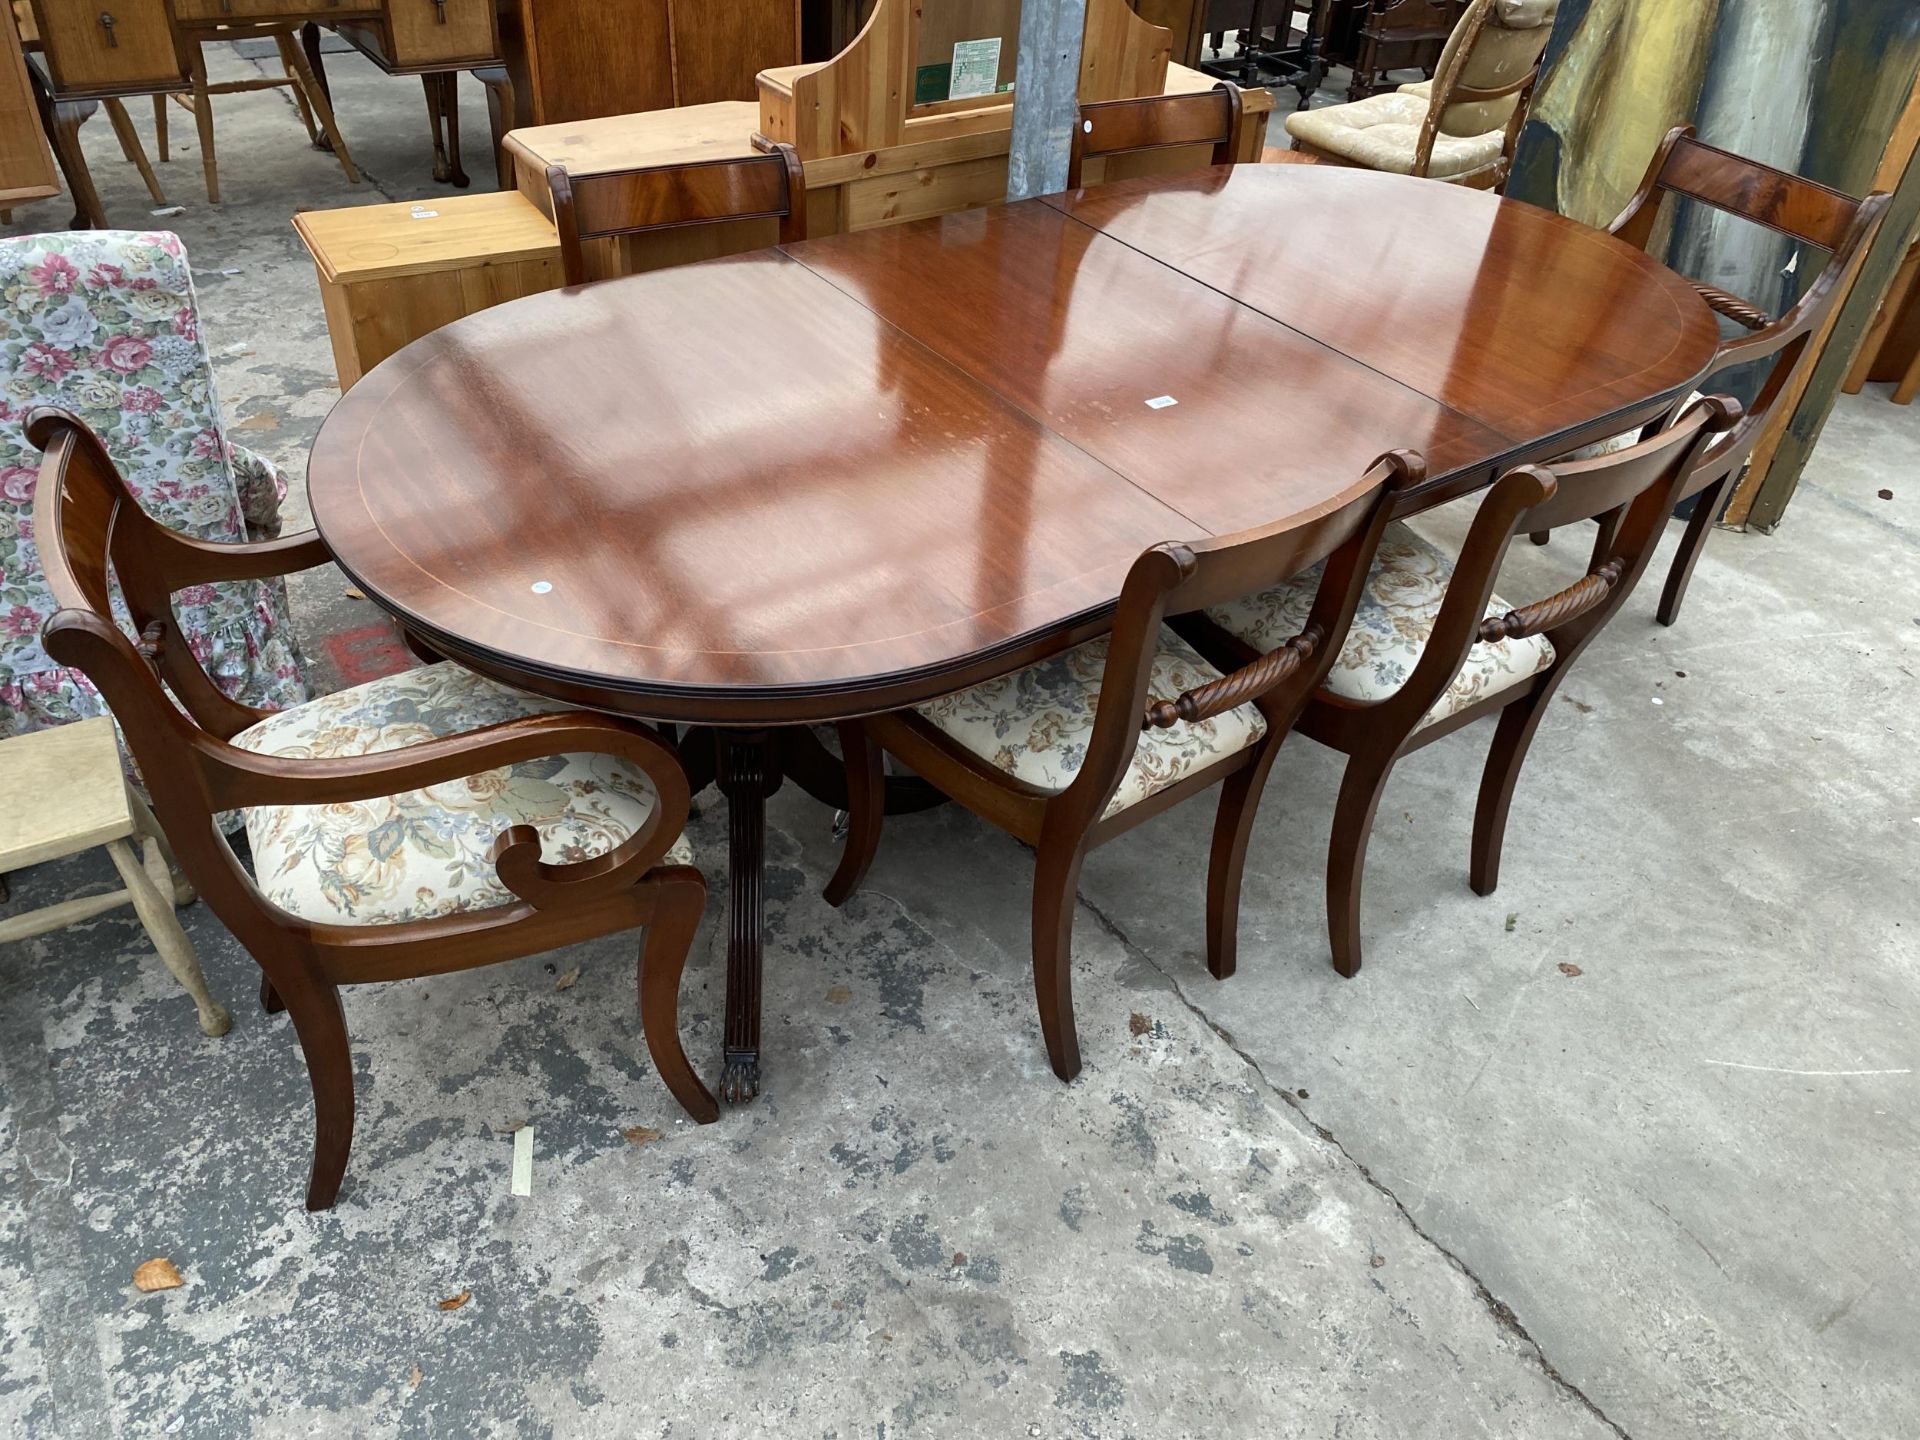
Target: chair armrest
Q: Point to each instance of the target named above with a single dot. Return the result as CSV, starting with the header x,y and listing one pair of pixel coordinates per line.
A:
x,y
248,779
261,488
1249,682
199,562
1576,600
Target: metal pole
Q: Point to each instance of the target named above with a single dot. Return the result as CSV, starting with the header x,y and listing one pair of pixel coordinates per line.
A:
x,y
1046,95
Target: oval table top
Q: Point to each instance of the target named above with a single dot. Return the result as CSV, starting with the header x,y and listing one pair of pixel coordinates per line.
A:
x,y
851,474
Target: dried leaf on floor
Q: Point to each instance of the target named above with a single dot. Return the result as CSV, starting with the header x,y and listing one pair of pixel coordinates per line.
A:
x,y
265,420
413,1380
1513,919
640,1134
454,1302
1569,970
157,1274
959,1258
1377,1261
838,994
1139,1024
355,594
566,981
1886,494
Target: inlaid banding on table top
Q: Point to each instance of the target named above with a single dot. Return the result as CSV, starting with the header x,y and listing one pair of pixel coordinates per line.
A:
x,y
860,470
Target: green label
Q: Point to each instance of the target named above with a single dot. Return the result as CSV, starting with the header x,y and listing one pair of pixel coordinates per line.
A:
x,y
930,83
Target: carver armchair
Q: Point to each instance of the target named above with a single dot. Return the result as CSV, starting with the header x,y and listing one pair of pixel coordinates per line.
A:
x,y
426,822
1816,215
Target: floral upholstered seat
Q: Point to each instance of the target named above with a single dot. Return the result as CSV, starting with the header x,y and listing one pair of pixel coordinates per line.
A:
x,y
105,324
1627,439
1034,724
425,852
1390,629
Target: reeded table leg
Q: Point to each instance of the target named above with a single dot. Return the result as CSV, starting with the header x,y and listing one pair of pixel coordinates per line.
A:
x,y
746,778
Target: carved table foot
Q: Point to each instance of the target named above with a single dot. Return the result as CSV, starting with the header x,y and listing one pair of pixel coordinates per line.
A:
x,y
740,1078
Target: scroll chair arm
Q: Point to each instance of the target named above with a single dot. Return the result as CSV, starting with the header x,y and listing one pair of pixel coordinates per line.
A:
x,y
203,562
1249,682
1577,599
1725,302
244,779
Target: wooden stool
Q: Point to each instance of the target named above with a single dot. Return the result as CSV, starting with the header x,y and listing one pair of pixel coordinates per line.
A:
x,y
61,792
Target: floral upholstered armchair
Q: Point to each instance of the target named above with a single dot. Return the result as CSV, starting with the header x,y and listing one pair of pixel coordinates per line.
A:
x,y
105,324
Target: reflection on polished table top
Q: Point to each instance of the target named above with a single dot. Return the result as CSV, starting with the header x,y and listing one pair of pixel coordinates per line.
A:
x,y
858,472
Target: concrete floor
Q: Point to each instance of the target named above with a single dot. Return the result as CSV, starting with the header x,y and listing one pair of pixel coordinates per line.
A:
x,y
1467,1193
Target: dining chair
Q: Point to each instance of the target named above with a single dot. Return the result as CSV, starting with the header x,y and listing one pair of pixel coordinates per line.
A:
x,y
1818,215
1158,122
1432,648
1462,125
427,822
1076,749
660,197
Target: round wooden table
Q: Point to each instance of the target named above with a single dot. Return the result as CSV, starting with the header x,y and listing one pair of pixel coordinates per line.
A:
x,y
853,474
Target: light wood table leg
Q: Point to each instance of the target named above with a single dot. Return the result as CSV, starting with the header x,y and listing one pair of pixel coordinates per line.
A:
x,y
296,63
148,828
203,121
163,928
131,147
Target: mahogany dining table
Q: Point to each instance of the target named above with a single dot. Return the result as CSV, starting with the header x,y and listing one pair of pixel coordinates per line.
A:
x,y
855,473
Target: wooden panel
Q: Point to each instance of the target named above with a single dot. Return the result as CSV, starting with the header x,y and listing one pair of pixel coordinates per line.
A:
x,y
26,164
425,33
449,232
1183,20
589,58
86,55
718,49
935,190
1123,55
370,320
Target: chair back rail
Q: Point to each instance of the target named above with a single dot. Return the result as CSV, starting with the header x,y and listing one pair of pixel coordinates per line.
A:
x,y
1631,492
1457,105
1179,578
661,197
1158,122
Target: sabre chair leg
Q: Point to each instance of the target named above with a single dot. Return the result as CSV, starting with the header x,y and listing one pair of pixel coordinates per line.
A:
x,y
1360,788
1706,511
203,123
1232,828
322,1028
1056,886
866,811
160,142
1512,737
270,1000
679,905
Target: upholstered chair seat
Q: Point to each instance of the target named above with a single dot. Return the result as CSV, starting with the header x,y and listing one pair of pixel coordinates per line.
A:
x,y
1382,132
1480,85
1034,724
1391,629
425,853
